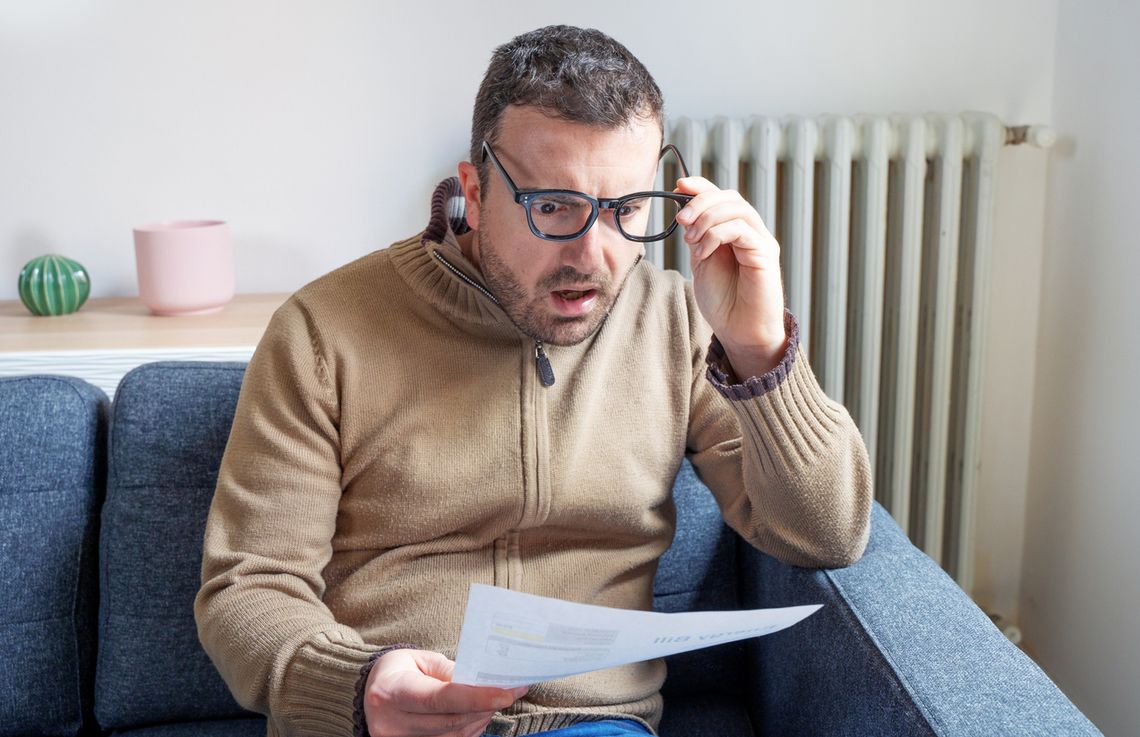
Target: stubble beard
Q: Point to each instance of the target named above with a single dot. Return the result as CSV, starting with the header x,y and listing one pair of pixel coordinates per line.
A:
x,y
532,314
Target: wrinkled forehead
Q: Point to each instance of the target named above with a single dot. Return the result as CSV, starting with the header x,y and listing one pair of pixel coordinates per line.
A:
x,y
550,153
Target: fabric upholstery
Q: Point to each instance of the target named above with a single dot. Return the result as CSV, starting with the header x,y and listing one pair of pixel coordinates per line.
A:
x,y
170,423
51,442
706,715
898,649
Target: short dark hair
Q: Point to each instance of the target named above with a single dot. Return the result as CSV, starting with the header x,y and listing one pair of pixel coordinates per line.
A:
x,y
577,74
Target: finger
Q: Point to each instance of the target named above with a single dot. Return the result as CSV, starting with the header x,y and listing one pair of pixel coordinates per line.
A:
x,y
695,185
414,681
711,208
701,202
421,690
720,212
424,695
435,665
444,697
736,232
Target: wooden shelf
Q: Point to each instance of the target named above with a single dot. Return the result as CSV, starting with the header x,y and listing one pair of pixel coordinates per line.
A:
x,y
117,323
108,337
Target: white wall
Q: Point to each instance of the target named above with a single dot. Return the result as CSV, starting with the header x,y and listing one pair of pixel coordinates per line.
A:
x,y
1082,585
318,129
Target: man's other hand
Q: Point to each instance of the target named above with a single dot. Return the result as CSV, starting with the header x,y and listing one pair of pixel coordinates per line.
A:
x,y
409,692
736,275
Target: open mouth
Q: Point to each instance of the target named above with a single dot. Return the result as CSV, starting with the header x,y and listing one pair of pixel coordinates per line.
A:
x,y
574,302
571,295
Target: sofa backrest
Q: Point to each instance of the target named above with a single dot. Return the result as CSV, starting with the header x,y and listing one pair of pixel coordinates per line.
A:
x,y
51,446
169,425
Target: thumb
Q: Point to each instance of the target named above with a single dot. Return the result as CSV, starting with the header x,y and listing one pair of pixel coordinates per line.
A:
x,y
436,665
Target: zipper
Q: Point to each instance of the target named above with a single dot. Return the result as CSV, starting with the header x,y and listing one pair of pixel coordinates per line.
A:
x,y
471,282
542,363
541,360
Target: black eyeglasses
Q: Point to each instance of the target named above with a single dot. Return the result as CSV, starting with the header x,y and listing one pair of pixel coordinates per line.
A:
x,y
564,215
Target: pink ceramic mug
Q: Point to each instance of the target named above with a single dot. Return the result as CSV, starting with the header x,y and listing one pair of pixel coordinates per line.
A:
x,y
185,267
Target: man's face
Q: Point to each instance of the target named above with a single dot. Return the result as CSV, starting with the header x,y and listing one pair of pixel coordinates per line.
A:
x,y
557,291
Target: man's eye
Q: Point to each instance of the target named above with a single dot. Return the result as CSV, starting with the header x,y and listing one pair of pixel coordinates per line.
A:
x,y
627,210
547,208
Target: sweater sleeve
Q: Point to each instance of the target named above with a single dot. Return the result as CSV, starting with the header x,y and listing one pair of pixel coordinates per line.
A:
x,y
269,536
786,464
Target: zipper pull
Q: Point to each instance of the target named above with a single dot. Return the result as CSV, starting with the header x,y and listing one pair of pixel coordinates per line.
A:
x,y
545,370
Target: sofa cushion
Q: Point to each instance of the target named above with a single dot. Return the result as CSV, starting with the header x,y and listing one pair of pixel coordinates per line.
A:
x,y
707,715
169,425
51,439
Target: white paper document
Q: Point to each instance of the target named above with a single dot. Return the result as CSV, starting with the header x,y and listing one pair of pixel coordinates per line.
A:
x,y
512,639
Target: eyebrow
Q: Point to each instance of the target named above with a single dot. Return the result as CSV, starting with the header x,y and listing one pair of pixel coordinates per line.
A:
x,y
518,168
597,197
563,196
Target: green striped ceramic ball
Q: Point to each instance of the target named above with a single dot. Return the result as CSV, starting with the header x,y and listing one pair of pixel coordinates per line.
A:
x,y
53,285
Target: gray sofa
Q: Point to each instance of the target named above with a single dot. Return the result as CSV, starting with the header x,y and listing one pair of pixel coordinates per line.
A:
x,y
102,509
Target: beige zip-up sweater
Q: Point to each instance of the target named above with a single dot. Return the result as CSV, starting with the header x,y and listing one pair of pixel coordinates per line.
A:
x,y
393,443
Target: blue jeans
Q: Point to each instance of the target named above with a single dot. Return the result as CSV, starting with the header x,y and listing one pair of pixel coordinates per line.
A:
x,y
604,728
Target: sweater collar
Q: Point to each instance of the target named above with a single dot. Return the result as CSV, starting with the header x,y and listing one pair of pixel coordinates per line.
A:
x,y
435,268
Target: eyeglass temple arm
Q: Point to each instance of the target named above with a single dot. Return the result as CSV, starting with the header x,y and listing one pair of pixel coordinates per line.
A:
x,y
677,153
489,153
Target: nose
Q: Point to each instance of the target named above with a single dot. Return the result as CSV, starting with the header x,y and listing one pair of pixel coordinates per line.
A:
x,y
588,253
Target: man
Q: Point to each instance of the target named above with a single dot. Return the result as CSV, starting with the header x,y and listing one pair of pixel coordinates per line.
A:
x,y
505,399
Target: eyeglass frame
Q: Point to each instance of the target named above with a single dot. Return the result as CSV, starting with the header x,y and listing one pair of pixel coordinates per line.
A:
x,y
524,197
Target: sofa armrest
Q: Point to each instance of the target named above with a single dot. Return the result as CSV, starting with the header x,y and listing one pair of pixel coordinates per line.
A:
x,y
898,649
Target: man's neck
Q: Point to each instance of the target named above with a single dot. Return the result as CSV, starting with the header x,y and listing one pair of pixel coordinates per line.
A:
x,y
467,247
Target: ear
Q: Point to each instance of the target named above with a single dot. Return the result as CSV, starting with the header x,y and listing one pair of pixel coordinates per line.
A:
x,y
469,182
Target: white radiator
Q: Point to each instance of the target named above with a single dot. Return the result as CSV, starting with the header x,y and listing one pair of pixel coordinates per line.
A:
x,y
884,226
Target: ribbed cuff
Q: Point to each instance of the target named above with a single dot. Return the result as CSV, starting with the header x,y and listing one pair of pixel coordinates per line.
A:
x,y
720,370
359,725
321,692
796,420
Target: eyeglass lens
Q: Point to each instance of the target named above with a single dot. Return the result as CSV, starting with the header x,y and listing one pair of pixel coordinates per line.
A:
x,y
647,217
